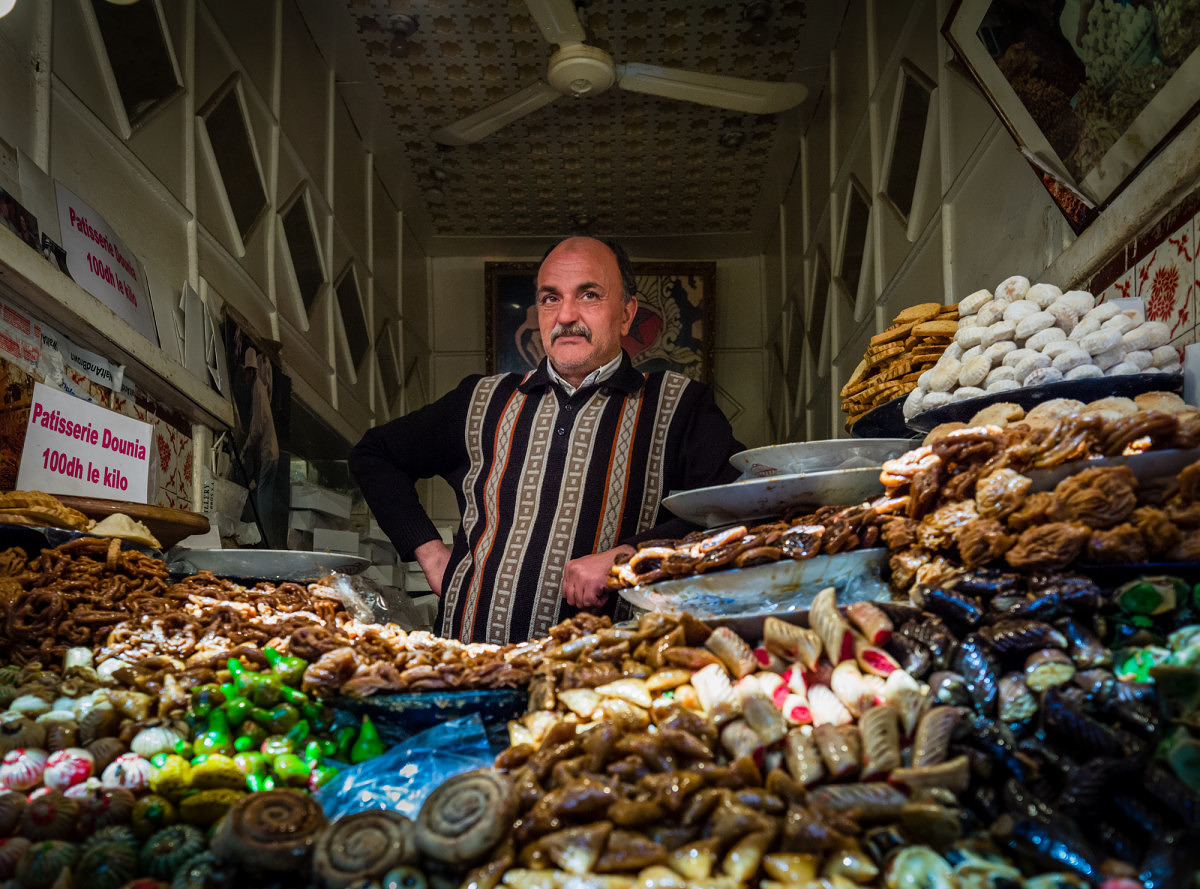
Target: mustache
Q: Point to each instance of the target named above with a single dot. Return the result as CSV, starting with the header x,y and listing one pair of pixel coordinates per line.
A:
x,y
575,328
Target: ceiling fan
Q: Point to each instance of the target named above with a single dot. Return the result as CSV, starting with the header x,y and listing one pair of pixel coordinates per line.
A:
x,y
578,70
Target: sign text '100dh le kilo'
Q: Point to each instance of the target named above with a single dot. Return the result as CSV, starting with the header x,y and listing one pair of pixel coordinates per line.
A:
x,y
77,448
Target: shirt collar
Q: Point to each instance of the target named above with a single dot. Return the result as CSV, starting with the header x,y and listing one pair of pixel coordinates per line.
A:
x,y
619,375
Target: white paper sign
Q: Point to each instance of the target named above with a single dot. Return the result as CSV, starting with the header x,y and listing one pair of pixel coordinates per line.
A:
x,y
103,265
78,448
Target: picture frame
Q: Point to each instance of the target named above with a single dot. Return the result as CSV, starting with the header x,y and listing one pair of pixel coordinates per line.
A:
x,y
1088,105
673,328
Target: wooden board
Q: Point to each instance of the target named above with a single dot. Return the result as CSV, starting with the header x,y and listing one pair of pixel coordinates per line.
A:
x,y
168,524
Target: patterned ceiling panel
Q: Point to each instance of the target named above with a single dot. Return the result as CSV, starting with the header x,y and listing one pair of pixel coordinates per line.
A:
x,y
617,162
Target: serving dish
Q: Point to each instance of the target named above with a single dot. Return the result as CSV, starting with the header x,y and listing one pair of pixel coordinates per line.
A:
x,y
1146,466
817,456
762,498
168,524
782,587
264,564
1127,385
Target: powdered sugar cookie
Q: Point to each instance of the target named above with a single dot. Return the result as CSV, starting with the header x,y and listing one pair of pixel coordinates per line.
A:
x,y
1085,327
970,353
969,305
1140,358
1018,309
1040,339
1069,360
935,399
974,371
923,380
999,373
1012,288
944,375
1056,348
1016,356
997,351
1035,361
1163,355
1042,376
912,404
1124,322
1042,295
1031,324
1149,335
1065,317
1103,312
954,350
1110,357
1083,372
1121,370
992,312
969,336
1079,300
964,392
998,333
967,321
1054,409
1100,341
1002,386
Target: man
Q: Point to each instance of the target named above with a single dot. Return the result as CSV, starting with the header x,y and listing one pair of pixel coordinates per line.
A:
x,y
556,471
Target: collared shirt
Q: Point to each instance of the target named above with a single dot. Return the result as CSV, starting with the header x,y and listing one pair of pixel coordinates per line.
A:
x,y
597,376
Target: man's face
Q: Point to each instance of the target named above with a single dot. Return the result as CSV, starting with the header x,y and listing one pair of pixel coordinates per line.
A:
x,y
581,311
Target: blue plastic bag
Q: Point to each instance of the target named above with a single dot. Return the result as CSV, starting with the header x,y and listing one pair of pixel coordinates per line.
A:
x,y
402,778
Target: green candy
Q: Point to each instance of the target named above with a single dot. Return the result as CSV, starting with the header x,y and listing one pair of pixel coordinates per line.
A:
x,y
290,670
368,744
1151,595
277,745
250,736
291,771
217,739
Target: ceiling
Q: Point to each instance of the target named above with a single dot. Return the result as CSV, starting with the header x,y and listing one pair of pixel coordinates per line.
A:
x,y
653,171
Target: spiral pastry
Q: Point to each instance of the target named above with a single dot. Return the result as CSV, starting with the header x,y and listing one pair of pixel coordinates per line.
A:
x,y
104,807
50,816
11,852
362,847
108,865
166,851
466,816
12,804
43,862
270,831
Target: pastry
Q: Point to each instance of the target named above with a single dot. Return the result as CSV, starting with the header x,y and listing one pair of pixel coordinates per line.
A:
x,y
1100,341
1042,376
1056,348
1150,335
991,313
1086,327
1122,369
1002,386
996,351
1124,322
1102,312
1042,338
1026,366
969,305
1000,331
1016,356
969,336
1065,317
1163,356
1084,372
1018,309
962,393
1079,300
1031,324
1013,288
1042,295
1140,357
974,371
999,373
1109,358
1070,360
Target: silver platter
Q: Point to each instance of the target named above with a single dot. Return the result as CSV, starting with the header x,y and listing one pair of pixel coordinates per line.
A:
x,y
264,564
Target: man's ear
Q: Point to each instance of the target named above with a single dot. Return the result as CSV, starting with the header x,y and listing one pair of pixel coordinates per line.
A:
x,y
627,313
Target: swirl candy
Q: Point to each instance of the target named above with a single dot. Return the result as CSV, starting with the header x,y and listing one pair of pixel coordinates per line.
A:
x,y
66,768
466,816
363,846
275,830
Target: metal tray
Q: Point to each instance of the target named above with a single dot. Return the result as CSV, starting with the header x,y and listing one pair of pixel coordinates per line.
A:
x,y
817,456
1127,385
763,498
264,564
778,588
1151,464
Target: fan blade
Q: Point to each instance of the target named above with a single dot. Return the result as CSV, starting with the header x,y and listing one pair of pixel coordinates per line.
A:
x,y
487,120
732,93
557,20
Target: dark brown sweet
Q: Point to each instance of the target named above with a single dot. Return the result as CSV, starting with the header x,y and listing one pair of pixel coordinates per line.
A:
x,y
49,817
466,816
272,831
363,847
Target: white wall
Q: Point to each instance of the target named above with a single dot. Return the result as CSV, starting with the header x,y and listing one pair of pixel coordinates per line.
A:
x,y
159,189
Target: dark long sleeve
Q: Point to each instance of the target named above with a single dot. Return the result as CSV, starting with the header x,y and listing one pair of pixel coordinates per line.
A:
x,y
389,460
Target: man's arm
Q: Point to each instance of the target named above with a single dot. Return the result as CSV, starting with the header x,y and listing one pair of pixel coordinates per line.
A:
x,y
584,579
389,460
433,557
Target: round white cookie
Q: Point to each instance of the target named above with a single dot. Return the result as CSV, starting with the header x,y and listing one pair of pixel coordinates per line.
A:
x,y
1103,312
1122,369
1012,288
965,392
1056,348
967,321
974,371
999,332
1163,355
991,313
1031,324
1070,360
1101,341
969,336
944,375
1042,295
1002,386
1086,327
1044,337
1083,372
999,373
1123,322
1140,358
969,305
923,380
1079,300
1149,335
997,351
935,399
971,353
1026,366
1042,376
912,404
1065,317
1018,309
1110,357
954,350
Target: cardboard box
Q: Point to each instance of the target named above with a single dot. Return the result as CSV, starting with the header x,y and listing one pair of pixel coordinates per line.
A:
x,y
386,575
327,540
310,520
322,500
374,533
378,553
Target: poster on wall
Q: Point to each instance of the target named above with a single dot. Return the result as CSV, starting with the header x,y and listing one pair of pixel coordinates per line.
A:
x,y
103,265
262,398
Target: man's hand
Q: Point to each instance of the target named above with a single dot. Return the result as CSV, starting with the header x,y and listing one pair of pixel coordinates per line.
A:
x,y
583,583
433,556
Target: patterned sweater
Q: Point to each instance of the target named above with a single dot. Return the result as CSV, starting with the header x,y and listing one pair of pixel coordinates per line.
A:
x,y
541,478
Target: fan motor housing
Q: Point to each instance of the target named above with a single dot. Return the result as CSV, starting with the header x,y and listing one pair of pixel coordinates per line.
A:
x,y
581,70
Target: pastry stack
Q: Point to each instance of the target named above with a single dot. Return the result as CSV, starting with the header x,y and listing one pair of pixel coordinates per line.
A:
x,y
1031,335
898,356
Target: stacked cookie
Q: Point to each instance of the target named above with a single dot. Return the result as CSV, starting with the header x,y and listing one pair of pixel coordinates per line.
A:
x,y
899,355
1025,335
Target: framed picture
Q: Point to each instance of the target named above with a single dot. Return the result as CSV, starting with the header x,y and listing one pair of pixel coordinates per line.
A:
x,y
672,330
1089,90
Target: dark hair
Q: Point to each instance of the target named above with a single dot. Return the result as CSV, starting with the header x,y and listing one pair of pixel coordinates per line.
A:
x,y
624,263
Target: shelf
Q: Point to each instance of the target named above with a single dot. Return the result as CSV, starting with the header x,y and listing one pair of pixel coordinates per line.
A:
x,y
34,285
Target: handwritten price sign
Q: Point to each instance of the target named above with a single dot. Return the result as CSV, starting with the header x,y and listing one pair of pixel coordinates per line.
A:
x,y
78,448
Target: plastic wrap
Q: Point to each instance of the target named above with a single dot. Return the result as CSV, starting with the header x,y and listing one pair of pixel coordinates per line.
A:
x,y
402,778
